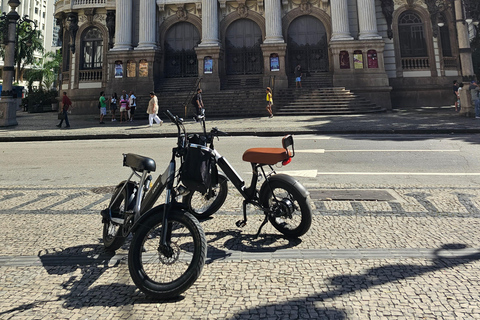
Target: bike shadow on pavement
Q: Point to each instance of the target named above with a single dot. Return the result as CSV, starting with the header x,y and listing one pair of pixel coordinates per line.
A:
x,y
92,261
236,240
444,258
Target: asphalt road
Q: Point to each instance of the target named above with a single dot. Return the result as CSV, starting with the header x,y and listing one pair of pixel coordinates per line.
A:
x,y
400,160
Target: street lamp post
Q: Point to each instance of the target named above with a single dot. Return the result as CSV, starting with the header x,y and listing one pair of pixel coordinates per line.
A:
x,y
8,106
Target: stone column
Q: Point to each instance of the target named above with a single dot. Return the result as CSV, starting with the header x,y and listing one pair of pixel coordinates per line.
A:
x,y
123,25
367,20
463,42
209,24
273,22
148,9
340,27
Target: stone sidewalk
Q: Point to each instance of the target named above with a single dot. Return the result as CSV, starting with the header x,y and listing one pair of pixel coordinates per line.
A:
x,y
412,256
41,126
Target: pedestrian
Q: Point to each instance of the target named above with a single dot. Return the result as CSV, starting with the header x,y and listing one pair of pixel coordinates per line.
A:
x,y
66,104
298,76
474,91
455,93
269,102
197,102
113,105
459,105
132,103
102,103
152,110
125,96
123,109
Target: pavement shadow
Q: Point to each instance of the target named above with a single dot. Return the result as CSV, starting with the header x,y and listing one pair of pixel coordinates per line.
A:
x,y
235,240
348,284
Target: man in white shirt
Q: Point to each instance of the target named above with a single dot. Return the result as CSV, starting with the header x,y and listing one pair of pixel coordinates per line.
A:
x,y
132,102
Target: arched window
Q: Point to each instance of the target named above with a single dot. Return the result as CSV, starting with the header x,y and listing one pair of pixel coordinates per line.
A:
x,y
411,35
92,49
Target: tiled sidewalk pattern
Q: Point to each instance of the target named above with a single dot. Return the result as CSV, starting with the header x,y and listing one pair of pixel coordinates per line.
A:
x,y
409,258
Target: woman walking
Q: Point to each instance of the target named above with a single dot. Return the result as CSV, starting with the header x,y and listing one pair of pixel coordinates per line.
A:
x,y
269,102
113,105
152,110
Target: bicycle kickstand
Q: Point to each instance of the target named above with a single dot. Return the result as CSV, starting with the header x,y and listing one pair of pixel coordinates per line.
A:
x,y
243,223
261,226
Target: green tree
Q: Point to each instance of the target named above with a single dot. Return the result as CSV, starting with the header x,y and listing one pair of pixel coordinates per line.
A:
x,y
29,42
45,70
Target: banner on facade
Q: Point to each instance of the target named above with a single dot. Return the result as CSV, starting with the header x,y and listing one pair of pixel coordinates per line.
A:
x,y
143,68
207,65
274,62
358,59
118,69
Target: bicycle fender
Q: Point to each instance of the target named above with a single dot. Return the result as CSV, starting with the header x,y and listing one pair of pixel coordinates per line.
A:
x,y
284,178
158,210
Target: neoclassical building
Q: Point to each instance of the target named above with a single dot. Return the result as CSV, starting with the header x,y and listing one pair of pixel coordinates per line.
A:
x,y
393,52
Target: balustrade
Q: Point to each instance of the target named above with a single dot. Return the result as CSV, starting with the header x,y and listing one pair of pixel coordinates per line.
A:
x,y
416,63
450,63
88,2
90,75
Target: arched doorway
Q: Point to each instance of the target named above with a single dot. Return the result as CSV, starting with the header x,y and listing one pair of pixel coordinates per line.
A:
x,y
180,56
243,52
307,45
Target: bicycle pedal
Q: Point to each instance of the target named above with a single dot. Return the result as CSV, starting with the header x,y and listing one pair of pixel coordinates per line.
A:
x,y
241,223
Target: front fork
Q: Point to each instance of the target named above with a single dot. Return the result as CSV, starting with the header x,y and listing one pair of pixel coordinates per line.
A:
x,y
164,248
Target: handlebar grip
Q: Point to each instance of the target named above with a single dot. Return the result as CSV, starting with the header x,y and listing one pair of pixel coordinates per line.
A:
x,y
171,116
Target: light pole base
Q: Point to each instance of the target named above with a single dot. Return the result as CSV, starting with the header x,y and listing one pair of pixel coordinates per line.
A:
x,y
8,112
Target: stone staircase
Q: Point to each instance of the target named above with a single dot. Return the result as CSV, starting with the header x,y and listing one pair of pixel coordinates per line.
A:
x,y
243,98
333,100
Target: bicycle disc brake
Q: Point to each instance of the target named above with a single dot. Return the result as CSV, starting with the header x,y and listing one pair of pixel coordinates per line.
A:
x,y
168,254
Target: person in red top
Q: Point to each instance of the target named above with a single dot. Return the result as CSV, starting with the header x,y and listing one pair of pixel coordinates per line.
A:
x,y
66,104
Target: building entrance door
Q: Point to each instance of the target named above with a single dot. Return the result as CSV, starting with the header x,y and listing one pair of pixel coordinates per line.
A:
x,y
180,56
307,45
243,52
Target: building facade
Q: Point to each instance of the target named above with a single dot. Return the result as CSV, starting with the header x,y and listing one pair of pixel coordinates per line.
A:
x,y
393,52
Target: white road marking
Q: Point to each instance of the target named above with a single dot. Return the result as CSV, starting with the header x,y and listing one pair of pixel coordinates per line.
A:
x,y
312,138
325,151
390,150
403,173
297,173
310,151
301,173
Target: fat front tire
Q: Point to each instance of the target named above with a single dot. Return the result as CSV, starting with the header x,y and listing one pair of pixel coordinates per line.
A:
x,y
289,208
165,273
113,237
202,206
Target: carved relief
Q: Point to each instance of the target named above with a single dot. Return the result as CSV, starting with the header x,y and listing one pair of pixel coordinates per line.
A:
x,y
181,12
73,28
242,7
242,10
306,7
89,18
387,9
110,21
